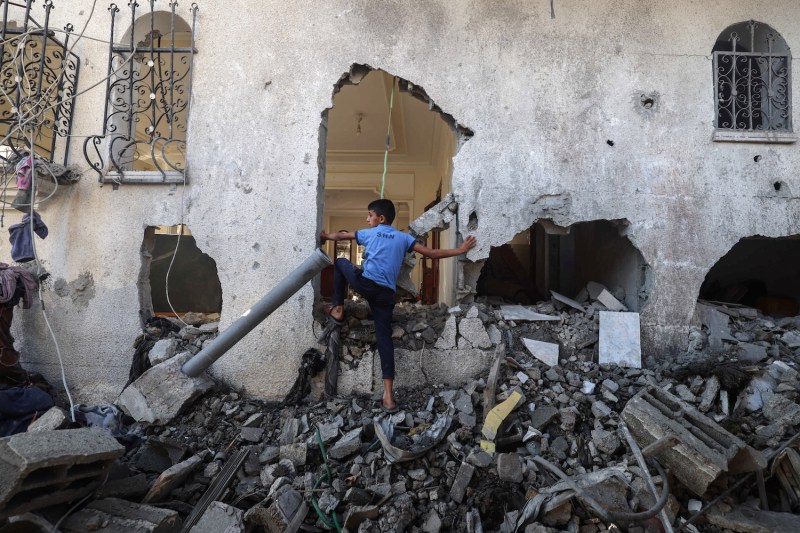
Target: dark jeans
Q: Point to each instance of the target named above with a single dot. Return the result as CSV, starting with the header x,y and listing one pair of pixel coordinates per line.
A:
x,y
381,302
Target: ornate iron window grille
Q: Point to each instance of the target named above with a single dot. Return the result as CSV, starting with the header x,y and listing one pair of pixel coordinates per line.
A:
x,y
38,81
147,100
753,85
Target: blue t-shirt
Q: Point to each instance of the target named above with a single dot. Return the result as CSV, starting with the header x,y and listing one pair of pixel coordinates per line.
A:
x,y
384,250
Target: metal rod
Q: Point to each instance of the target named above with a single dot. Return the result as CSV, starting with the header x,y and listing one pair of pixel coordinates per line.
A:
x,y
256,314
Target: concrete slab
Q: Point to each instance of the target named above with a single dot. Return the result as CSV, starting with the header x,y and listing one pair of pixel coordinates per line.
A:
x,y
620,341
220,518
567,301
160,393
122,516
450,367
520,313
49,467
717,324
545,352
607,299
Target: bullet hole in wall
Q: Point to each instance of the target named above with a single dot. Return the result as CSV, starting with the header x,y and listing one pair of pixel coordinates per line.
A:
x,y
610,142
472,225
777,185
757,158
648,102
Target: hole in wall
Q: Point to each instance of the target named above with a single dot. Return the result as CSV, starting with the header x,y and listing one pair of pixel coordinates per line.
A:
x,y
472,225
610,142
777,186
759,272
422,142
548,257
647,102
757,158
194,285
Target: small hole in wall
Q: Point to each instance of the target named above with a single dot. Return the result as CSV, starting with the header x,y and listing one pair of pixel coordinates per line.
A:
x,y
757,158
648,103
610,142
777,186
472,225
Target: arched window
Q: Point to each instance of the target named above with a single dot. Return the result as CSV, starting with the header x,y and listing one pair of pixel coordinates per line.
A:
x,y
147,99
752,76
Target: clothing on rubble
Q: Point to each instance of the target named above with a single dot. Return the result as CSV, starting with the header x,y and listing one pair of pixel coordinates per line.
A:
x,y
22,240
15,283
19,406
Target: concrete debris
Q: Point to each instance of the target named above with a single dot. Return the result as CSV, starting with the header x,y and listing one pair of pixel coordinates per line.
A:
x,y
471,442
620,340
523,314
568,301
601,294
545,352
744,520
54,418
113,515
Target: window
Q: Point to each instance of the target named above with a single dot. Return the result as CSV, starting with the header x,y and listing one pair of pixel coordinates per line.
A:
x,y
752,73
147,99
38,77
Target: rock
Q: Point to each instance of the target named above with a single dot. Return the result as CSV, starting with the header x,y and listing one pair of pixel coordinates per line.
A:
x,y
220,517
171,478
473,331
605,441
357,496
600,409
54,418
448,339
418,474
296,453
116,515
542,416
463,403
162,350
461,482
357,514
432,524
509,467
252,434
289,432
286,514
709,394
254,420
269,455
545,352
479,458
350,443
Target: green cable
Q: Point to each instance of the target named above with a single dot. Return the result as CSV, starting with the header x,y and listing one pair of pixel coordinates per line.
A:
x,y
325,476
388,131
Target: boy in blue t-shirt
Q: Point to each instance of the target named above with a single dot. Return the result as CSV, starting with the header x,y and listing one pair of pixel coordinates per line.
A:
x,y
385,248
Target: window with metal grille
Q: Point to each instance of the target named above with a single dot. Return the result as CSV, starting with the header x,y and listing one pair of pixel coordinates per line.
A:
x,y
752,77
147,98
38,80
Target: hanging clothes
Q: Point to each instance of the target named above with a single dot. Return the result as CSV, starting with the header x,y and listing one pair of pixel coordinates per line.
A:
x,y
24,171
22,240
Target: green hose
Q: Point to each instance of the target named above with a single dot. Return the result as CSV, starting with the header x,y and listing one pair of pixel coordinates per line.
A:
x,y
326,476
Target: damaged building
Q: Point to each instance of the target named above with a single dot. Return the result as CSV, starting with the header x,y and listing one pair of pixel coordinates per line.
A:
x,y
627,168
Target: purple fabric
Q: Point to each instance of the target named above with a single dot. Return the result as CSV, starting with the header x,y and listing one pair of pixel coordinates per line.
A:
x,y
23,169
22,240
8,284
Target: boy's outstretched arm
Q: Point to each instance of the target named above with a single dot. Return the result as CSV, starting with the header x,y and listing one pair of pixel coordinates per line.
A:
x,y
468,244
337,236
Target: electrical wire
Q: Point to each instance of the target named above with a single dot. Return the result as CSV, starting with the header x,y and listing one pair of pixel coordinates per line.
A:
x,y
388,139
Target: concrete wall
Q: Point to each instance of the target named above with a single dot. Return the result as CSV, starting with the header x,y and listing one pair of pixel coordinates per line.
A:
x,y
542,96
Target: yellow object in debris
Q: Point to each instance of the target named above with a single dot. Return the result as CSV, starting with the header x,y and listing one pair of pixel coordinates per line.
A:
x,y
499,413
488,446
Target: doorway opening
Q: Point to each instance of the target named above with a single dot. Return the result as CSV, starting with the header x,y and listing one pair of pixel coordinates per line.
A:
x,y
422,141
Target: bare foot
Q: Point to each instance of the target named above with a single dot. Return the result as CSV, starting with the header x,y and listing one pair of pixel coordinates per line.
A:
x,y
337,312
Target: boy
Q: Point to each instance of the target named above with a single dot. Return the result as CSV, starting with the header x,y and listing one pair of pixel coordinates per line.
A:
x,y
385,248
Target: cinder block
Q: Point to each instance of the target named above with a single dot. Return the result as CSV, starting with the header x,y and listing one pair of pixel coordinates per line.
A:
x,y
705,451
50,467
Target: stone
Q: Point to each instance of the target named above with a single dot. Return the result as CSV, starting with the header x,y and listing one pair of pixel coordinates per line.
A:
x,y
494,334
601,294
620,341
752,353
269,454
162,350
461,482
479,458
286,514
509,467
610,386
545,352
171,478
116,516
568,301
463,403
448,339
717,324
709,394
520,313
44,459
685,394
472,312
417,474
349,444
253,420
745,520
600,409
472,330
296,453
357,496
127,488
605,441
432,523
289,432
220,518
542,416
53,418
357,514
791,339
252,434
162,392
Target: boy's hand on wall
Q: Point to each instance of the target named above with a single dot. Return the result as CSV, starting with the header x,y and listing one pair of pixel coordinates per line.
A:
x,y
468,244
323,237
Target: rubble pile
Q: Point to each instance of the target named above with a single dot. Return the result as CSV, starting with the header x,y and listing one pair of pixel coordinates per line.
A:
x,y
572,446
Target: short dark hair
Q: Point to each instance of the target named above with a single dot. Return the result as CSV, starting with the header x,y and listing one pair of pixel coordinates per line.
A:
x,y
383,207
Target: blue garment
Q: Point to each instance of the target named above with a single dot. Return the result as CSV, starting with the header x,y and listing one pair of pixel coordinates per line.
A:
x,y
19,405
385,248
22,240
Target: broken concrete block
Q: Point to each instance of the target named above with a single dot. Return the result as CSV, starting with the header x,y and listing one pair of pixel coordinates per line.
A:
x,y
705,450
163,350
751,353
54,418
286,514
600,293
220,518
717,324
545,352
709,394
162,392
437,217
171,478
49,467
509,467
620,340
474,331
129,488
519,313
567,301
745,520
460,484
113,515
357,514
296,453
350,443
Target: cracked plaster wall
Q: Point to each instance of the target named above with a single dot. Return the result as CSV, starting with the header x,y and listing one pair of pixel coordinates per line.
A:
x,y
542,96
